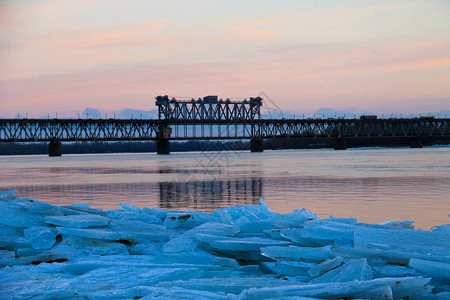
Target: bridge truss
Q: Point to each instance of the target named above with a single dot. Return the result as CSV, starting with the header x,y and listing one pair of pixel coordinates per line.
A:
x,y
210,108
42,130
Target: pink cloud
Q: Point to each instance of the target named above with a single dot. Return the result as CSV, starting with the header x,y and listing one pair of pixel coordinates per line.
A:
x,y
136,86
116,89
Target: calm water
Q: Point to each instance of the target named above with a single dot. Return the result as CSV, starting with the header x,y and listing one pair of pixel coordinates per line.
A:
x,y
373,185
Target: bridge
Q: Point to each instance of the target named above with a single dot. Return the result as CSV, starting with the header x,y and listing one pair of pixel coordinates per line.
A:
x,y
211,118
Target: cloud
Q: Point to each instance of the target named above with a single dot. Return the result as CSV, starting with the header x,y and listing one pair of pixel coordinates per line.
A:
x,y
112,89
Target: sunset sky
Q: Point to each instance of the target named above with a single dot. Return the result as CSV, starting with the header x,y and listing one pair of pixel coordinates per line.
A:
x,y
379,56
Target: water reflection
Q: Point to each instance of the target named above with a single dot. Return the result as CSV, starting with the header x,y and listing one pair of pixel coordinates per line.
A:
x,y
172,195
210,194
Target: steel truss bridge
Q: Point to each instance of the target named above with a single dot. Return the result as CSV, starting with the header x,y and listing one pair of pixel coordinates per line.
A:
x,y
214,119
69,130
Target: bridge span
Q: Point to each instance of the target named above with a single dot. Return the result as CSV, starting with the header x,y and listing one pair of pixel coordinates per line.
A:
x,y
213,119
56,131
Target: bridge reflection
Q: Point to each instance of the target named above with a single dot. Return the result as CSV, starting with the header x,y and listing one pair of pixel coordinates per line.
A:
x,y
205,195
201,195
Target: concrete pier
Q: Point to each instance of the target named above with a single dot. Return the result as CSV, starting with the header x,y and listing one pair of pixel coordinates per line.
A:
x,y
163,146
256,145
415,142
162,142
340,144
54,148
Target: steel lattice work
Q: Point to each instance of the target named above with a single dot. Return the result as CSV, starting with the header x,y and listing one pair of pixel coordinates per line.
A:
x,y
354,128
208,108
31,130
34,130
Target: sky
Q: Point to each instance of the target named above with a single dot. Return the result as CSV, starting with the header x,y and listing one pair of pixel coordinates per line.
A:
x,y
378,56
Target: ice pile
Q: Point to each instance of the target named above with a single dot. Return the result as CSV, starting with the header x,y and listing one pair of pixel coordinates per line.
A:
x,y
244,252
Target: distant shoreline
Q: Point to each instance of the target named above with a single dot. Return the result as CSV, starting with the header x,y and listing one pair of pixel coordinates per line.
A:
x,y
191,146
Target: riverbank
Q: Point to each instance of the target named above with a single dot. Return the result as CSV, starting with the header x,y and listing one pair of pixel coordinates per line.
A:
x,y
190,146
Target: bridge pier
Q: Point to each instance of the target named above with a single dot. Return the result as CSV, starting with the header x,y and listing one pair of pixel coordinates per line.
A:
x,y
162,142
162,146
340,144
256,145
54,149
415,142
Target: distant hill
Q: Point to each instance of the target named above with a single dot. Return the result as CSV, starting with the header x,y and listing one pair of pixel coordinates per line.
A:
x,y
92,113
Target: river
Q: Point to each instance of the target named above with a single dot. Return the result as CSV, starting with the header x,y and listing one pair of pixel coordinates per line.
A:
x,y
373,185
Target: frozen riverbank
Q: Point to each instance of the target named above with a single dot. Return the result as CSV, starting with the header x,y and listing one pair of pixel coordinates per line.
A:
x,y
245,252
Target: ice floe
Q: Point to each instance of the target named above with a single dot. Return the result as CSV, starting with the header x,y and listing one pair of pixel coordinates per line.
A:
x,y
243,252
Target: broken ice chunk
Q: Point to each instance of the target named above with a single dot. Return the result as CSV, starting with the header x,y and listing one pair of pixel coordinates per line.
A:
x,y
425,242
130,276
35,259
355,270
325,266
436,269
289,268
13,216
129,212
155,212
399,224
81,247
22,212
300,216
443,296
130,208
77,221
299,237
405,287
391,256
52,288
10,231
251,212
237,244
145,248
27,252
40,237
188,242
257,226
233,285
213,228
14,243
180,244
443,228
5,195
140,231
263,204
196,257
326,230
382,293
151,293
352,221
98,234
6,254
393,271
186,219
294,253
84,208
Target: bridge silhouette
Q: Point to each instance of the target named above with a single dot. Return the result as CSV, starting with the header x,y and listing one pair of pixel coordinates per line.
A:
x,y
211,118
